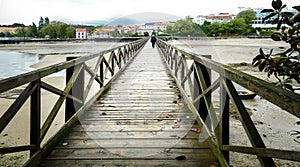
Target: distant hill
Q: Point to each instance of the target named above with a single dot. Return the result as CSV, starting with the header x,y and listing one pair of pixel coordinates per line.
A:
x,y
138,18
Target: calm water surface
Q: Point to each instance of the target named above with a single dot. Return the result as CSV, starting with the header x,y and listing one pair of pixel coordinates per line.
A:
x,y
14,63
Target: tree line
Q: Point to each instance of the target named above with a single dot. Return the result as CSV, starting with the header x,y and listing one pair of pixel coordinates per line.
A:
x,y
241,25
44,29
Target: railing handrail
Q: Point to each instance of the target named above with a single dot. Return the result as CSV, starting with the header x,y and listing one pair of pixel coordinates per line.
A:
x,y
195,82
107,68
287,100
21,79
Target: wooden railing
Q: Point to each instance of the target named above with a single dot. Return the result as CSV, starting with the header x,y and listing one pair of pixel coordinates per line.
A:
x,y
108,65
193,72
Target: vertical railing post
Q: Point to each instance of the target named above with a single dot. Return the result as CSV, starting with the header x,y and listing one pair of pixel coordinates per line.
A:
x,y
113,64
201,105
101,72
224,109
77,90
35,118
182,73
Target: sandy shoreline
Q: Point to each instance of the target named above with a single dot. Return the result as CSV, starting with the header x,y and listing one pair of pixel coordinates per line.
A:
x,y
271,121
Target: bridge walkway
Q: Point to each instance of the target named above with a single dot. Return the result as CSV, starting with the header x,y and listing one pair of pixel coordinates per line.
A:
x,y
140,121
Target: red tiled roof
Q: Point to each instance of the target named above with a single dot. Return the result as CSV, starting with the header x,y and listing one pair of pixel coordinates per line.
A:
x,y
81,30
8,29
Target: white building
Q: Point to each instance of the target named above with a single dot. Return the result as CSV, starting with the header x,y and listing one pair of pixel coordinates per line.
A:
x,y
258,22
220,17
81,33
152,27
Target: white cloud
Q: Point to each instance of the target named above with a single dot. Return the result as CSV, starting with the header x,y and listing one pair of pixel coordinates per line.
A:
x,y
28,11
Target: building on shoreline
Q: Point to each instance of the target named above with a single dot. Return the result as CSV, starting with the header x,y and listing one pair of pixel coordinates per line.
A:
x,y
258,22
220,17
81,33
152,27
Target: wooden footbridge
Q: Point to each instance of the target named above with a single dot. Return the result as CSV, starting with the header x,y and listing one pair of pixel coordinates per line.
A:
x,y
135,105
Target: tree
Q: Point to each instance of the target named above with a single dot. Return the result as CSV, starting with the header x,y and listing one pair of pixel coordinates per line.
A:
x,y
146,34
205,27
185,28
216,28
41,23
47,21
70,32
34,30
57,29
49,31
21,32
236,26
285,66
248,15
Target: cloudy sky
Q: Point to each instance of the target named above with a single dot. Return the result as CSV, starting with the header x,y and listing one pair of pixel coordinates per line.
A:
x,y
81,11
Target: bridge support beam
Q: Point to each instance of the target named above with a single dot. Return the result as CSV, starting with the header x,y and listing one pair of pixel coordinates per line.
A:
x,y
200,105
35,118
76,91
224,109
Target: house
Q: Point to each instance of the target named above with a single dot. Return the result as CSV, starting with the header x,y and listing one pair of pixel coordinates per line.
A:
x,y
9,29
103,32
258,22
220,17
81,33
152,27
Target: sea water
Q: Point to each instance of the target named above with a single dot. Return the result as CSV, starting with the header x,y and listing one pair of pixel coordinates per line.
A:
x,y
14,63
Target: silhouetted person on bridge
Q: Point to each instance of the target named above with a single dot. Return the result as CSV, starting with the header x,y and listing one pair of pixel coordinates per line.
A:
x,y
153,40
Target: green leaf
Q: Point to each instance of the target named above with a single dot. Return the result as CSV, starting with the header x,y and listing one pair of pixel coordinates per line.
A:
x,y
289,87
296,17
291,31
276,4
282,7
262,52
258,57
297,8
287,14
288,21
256,64
267,11
279,25
262,65
275,21
288,51
276,36
269,16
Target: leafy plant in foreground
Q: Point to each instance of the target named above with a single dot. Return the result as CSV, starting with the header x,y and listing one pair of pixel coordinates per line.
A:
x,y
285,66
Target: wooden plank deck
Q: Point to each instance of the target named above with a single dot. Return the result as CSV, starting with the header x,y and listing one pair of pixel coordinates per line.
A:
x,y
138,122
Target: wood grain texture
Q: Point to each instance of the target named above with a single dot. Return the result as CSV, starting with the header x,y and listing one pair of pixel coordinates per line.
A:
x,y
140,121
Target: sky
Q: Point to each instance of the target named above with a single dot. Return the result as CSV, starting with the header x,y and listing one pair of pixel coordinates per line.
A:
x,y
82,11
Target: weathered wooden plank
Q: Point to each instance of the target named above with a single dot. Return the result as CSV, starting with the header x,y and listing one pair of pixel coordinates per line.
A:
x,y
93,152
129,163
161,127
84,155
139,135
145,133
214,146
121,143
17,149
265,152
65,129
